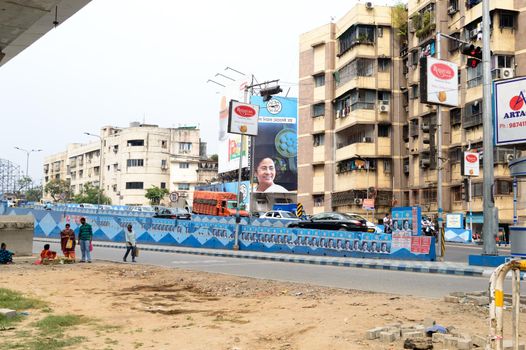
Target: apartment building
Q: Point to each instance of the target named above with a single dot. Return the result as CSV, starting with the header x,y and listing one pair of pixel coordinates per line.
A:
x,y
462,126
130,160
361,120
349,112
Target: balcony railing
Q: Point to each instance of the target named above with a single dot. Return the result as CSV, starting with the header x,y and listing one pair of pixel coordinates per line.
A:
x,y
472,121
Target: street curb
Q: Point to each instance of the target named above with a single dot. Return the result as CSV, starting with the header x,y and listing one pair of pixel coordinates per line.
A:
x,y
395,265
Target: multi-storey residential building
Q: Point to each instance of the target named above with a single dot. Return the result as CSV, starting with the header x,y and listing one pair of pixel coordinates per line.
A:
x,y
130,160
361,114
348,112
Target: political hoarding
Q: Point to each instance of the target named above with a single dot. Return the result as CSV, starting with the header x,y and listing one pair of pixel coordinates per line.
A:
x,y
509,104
229,147
439,82
275,147
407,231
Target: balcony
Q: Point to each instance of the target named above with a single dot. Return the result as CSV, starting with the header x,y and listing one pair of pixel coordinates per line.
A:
x,y
318,124
362,148
318,184
472,121
362,82
475,12
355,117
384,80
357,179
384,146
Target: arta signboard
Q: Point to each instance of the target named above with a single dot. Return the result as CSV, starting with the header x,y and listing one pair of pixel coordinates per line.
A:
x,y
243,118
509,99
471,164
439,82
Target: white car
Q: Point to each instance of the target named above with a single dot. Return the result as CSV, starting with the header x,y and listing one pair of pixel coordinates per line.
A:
x,y
369,224
280,215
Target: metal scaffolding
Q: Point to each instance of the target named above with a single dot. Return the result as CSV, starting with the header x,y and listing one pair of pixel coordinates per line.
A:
x,y
9,177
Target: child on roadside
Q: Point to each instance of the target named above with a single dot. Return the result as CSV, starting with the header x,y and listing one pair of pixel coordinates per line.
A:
x,y
46,256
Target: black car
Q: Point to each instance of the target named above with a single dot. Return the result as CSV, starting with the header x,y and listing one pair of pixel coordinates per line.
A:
x,y
173,213
334,221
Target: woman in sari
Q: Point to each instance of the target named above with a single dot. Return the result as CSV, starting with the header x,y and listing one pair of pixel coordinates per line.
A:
x,y
67,242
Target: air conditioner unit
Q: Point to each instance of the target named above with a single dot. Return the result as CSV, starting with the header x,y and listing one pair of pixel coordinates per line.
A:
x,y
504,73
425,163
384,107
367,139
358,201
451,10
369,5
425,127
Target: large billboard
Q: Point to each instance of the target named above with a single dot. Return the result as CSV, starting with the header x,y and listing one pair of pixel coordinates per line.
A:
x,y
509,98
276,146
439,82
230,144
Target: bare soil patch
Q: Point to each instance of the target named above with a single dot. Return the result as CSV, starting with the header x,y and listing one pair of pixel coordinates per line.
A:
x,y
145,307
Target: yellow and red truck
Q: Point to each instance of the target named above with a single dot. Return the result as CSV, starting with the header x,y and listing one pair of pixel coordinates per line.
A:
x,y
216,203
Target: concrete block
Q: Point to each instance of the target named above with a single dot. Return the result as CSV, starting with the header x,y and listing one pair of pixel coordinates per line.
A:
x,y
479,341
374,333
482,300
387,337
439,337
464,344
8,313
477,294
413,334
457,294
451,342
451,299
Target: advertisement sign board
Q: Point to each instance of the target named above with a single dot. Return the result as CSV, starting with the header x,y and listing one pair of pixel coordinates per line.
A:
x,y
470,164
454,220
406,224
509,103
243,118
229,147
368,204
276,146
439,82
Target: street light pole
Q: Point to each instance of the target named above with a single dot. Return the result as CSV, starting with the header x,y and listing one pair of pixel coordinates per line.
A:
x,y
28,152
100,168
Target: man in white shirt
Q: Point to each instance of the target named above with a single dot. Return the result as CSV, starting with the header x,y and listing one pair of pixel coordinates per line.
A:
x,y
130,243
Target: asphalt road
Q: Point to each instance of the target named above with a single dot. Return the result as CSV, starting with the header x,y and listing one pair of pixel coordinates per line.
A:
x,y
396,282
458,252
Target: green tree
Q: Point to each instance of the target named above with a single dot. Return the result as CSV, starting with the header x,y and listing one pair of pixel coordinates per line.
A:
x,y
57,187
24,183
90,194
400,20
34,194
155,194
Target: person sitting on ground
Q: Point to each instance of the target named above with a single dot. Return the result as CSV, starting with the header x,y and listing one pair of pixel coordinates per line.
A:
x,y
47,254
6,256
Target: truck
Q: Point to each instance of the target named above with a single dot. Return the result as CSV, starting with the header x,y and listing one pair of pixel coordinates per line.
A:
x,y
216,203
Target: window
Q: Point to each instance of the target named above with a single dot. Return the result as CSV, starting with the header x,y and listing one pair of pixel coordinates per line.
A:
x,y
318,109
133,143
380,32
134,185
414,92
454,45
415,56
474,76
81,173
476,189
163,185
507,20
164,144
455,116
505,61
185,147
383,64
455,155
472,114
163,164
383,130
319,80
471,3
503,187
183,187
457,193
318,139
360,67
384,95
357,34
134,162
430,195
318,200
387,166
184,165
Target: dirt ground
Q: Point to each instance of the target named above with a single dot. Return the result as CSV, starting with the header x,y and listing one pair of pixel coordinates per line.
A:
x,y
140,307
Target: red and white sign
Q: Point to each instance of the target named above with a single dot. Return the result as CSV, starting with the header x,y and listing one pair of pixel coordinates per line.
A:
x,y
510,111
243,118
368,204
471,164
442,82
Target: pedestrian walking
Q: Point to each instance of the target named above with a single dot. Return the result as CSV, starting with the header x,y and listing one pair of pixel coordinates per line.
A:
x,y
131,245
67,242
85,240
